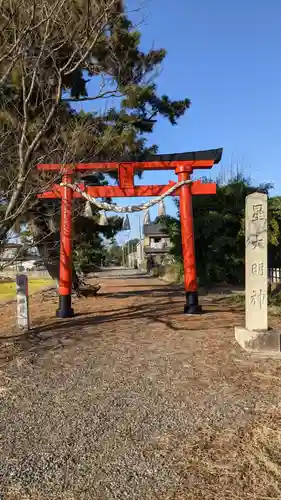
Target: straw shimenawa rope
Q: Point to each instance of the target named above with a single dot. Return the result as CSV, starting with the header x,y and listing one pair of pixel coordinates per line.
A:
x,y
112,207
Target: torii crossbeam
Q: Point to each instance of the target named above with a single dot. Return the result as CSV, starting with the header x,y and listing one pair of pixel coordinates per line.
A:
x,y
182,163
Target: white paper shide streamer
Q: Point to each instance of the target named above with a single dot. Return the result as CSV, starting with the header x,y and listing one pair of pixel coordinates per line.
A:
x,y
161,209
146,218
126,224
88,210
103,221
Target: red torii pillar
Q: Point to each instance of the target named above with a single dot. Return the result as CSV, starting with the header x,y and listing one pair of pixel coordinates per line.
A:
x,y
188,245
65,309
183,164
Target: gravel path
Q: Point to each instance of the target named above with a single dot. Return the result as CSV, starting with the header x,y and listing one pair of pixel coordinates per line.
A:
x,y
132,400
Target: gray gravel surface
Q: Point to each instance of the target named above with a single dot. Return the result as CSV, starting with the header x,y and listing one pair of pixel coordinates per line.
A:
x,y
115,410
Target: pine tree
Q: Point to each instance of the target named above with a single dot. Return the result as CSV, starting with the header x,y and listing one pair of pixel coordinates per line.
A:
x,y
51,51
219,231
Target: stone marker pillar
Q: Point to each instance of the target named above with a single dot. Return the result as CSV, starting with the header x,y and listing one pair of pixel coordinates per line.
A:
x,y
256,261
22,301
256,336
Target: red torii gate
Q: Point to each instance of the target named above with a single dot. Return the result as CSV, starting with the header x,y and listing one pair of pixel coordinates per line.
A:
x,y
182,163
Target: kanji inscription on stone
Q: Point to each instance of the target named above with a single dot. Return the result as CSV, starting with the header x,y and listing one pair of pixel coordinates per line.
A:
x,y
256,261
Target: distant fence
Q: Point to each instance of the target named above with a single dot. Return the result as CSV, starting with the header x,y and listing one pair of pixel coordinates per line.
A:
x,y
274,275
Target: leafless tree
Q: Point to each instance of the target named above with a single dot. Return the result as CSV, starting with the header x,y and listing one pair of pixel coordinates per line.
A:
x,y
48,49
44,45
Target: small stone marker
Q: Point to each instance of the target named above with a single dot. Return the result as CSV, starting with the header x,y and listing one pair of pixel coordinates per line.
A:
x,y
256,261
256,337
22,301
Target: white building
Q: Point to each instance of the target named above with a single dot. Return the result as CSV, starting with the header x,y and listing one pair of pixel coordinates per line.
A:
x,y
13,258
136,259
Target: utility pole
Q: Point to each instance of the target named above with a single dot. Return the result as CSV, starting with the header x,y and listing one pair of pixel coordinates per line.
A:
x,y
140,238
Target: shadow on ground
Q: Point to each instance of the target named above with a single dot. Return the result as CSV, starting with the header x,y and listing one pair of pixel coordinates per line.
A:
x,y
165,308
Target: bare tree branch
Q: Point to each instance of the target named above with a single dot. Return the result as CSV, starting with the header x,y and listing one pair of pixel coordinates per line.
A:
x,y
46,48
108,93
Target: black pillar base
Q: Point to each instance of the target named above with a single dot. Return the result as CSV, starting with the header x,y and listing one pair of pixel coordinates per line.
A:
x,y
192,306
65,310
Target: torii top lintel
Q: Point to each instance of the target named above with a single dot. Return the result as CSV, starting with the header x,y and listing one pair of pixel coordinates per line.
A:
x,y
193,160
180,162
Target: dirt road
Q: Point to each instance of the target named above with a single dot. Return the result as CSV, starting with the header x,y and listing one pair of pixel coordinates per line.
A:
x,y
132,400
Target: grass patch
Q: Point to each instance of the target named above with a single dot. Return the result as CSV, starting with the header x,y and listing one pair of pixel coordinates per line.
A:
x,y
235,299
173,273
274,301
8,290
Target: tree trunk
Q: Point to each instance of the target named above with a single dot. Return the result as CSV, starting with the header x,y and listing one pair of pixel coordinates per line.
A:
x,y
48,244
51,261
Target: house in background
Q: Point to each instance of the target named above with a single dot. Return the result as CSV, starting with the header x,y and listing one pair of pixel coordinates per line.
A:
x,y
139,254
152,249
15,257
136,258
157,243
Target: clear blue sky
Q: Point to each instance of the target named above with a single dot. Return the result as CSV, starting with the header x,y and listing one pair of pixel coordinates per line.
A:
x,y
224,56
